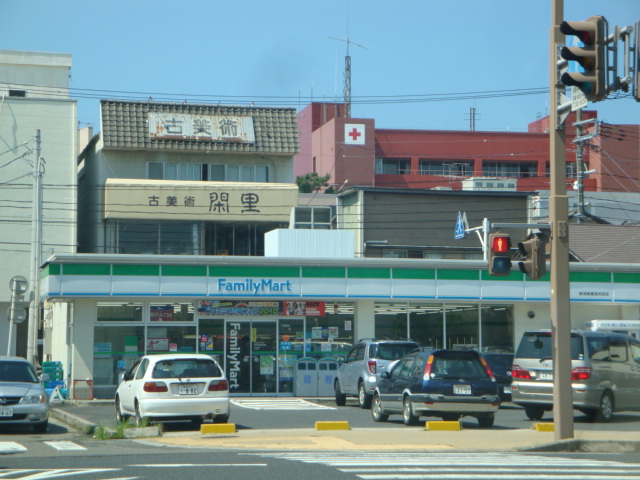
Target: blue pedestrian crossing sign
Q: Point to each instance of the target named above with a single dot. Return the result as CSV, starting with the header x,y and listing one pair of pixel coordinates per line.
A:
x,y
461,226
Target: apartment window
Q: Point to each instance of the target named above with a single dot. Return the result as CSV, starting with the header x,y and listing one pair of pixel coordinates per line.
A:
x,y
175,171
446,168
318,218
239,173
393,166
510,169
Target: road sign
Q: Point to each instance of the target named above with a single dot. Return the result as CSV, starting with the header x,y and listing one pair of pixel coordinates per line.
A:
x,y
461,226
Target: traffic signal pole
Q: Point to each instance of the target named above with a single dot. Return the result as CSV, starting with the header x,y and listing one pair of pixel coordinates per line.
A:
x,y
559,219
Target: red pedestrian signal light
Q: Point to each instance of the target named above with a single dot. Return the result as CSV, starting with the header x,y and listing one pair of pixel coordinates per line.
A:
x,y
499,254
592,57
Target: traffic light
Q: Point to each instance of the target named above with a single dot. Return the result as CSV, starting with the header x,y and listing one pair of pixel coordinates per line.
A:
x,y
592,56
499,254
534,262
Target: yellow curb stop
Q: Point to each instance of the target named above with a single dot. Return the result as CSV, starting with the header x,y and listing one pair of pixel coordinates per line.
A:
x,y
339,425
218,428
443,425
544,427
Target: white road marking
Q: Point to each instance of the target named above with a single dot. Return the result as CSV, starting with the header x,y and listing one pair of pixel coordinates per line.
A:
x,y
279,404
10,447
62,445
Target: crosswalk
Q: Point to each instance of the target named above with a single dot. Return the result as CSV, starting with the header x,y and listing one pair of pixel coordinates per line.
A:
x,y
15,447
278,404
464,466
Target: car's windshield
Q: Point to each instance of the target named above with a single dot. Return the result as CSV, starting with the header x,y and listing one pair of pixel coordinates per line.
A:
x,y
17,372
188,367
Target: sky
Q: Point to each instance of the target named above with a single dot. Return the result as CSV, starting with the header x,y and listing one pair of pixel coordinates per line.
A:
x,y
415,64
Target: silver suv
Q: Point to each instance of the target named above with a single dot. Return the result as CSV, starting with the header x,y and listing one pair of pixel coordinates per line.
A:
x,y
359,373
605,373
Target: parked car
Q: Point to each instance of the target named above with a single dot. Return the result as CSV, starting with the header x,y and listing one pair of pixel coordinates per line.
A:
x,y
360,371
444,383
500,365
23,400
174,387
605,373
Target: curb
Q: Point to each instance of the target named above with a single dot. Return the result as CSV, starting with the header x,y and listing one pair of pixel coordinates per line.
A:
x,y
76,422
588,446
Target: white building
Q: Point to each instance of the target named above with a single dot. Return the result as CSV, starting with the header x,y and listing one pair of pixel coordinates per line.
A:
x,y
34,95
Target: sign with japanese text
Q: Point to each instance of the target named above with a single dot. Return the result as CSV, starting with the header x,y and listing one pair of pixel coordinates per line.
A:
x,y
192,200
211,128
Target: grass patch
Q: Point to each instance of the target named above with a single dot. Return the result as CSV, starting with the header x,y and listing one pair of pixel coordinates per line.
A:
x,y
106,433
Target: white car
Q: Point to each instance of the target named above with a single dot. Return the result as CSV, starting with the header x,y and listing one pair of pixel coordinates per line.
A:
x,y
174,387
23,400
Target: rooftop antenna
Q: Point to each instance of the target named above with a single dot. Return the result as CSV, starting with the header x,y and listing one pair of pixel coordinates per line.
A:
x,y
347,69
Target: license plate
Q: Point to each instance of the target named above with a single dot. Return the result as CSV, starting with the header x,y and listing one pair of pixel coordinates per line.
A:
x,y
507,389
462,389
545,376
6,412
187,389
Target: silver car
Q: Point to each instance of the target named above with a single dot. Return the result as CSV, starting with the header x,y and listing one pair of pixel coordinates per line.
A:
x,y
605,373
359,373
23,400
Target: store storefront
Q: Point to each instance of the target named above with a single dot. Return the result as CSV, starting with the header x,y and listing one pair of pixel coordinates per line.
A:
x,y
267,319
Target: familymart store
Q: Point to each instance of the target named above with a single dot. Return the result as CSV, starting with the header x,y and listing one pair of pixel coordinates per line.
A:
x,y
264,319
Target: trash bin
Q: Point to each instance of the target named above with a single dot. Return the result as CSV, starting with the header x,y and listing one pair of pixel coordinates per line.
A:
x,y
306,378
327,371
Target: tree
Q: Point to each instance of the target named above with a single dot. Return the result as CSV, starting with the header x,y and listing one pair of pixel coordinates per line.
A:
x,y
311,182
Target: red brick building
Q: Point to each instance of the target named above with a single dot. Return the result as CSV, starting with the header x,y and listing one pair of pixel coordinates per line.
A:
x,y
352,150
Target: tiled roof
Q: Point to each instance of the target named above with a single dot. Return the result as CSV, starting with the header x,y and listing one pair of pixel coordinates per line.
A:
x,y
595,243
125,125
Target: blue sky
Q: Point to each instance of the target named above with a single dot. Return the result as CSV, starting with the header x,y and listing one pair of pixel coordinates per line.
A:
x,y
280,53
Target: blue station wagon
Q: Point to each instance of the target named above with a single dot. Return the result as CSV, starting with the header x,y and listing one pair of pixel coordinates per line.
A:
x,y
444,383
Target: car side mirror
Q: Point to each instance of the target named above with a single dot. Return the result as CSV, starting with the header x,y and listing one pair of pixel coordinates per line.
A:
x,y
385,375
44,377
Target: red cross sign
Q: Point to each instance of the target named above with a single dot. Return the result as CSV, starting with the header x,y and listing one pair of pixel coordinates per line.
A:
x,y
354,134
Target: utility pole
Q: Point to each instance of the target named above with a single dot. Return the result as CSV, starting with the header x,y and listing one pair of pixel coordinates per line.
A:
x,y
559,218
36,254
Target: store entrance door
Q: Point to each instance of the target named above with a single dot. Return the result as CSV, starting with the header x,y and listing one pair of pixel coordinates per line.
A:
x,y
251,359
261,355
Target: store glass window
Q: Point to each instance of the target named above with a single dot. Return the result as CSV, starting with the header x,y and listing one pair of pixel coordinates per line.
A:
x,y
391,321
497,328
426,324
119,312
115,350
462,326
171,339
171,312
331,334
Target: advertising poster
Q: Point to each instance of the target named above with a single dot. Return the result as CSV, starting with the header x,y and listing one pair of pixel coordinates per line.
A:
x,y
161,313
308,309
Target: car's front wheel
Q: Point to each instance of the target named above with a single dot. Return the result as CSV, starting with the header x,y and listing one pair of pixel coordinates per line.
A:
x,y
377,412
341,398
408,416
364,399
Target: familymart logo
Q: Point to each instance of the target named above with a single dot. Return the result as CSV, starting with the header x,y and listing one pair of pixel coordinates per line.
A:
x,y
255,287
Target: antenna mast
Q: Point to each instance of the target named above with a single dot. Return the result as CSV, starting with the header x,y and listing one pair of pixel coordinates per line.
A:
x,y
347,70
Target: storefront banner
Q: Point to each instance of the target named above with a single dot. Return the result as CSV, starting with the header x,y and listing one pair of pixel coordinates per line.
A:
x,y
308,309
161,313
215,309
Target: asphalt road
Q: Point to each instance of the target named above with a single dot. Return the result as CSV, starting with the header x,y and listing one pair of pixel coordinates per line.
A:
x,y
252,413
